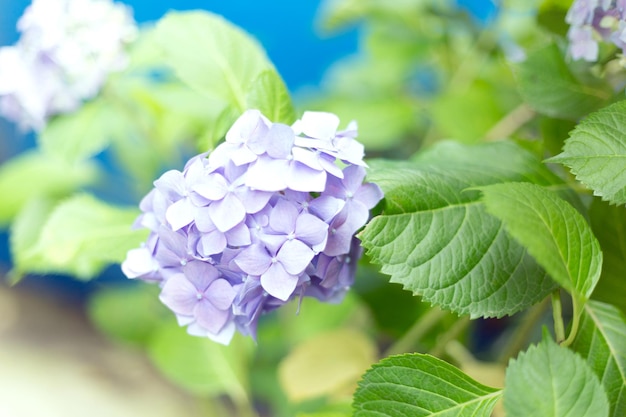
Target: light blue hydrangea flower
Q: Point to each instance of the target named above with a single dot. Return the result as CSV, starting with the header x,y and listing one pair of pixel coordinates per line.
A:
x,y
270,215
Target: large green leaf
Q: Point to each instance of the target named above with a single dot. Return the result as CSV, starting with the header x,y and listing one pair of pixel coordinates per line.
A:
x,y
80,237
201,366
602,341
33,174
552,381
212,55
436,238
609,225
421,385
549,87
596,153
556,235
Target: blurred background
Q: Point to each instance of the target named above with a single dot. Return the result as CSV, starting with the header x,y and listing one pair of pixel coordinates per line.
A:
x,y
50,354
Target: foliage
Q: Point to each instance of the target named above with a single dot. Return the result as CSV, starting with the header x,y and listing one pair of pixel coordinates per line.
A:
x,y
502,161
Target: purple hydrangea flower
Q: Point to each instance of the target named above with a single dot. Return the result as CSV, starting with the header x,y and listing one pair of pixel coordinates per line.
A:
x,y
592,21
269,216
66,50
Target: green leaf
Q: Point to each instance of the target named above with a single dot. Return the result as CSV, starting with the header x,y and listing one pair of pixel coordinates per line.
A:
x,y
201,366
554,232
32,174
467,114
79,135
552,381
438,241
25,231
596,153
80,237
269,94
421,385
548,86
326,365
212,55
128,313
608,223
602,341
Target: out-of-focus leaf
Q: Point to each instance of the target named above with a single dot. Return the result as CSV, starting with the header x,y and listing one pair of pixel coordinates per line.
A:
x,y
80,135
421,385
467,115
212,55
129,313
25,231
33,174
549,87
601,340
609,225
269,94
201,366
80,237
596,153
326,365
550,380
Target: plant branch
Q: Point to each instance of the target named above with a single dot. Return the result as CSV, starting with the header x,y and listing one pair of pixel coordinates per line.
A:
x,y
416,332
557,314
577,307
510,123
454,332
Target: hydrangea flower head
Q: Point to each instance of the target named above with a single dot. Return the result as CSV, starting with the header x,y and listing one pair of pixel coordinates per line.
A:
x,y
268,216
64,54
593,21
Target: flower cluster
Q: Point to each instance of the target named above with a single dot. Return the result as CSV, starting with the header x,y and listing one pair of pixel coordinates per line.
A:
x,y
592,21
65,52
268,216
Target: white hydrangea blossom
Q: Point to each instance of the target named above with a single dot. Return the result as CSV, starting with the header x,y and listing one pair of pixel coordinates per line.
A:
x,y
66,50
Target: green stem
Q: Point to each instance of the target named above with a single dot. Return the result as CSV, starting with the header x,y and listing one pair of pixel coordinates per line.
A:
x,y
416,332
557,314
454,332
577,312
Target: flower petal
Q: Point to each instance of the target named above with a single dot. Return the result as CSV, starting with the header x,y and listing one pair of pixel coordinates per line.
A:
x,y
172,184
210,317
320,125
283,217
139,262
268,174
312,231
214,187
295,256
303,178
180,214
227,213
253,260
179,295
278,283
221,294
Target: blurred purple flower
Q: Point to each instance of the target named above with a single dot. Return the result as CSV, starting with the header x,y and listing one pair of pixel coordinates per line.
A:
x,y
268,216
66,51
592,21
